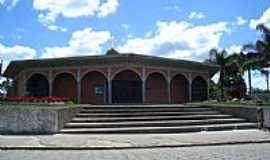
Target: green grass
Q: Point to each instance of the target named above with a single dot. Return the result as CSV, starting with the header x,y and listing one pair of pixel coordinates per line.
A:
x,y
247,104
34,105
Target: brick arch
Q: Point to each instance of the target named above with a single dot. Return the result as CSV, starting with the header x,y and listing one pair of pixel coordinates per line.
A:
x,y
29,75
115,73
126,74
156,88
127,87
91,82
65,85
70,72
164,74
87,71
37,85
203,76
173,74
199,89
179,89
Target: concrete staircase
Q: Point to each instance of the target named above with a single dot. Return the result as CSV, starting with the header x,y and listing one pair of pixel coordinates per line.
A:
x,y
121,119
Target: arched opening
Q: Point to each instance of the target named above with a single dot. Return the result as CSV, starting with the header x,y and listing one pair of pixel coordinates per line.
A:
x,y
65,85
179,89
93,88
156,89
127,87
37,85
199,89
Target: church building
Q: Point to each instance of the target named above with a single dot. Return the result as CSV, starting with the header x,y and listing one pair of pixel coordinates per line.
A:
x,y
113,78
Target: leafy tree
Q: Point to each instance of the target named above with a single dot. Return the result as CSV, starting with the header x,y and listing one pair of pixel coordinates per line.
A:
x,y
5,85
219,58
214,89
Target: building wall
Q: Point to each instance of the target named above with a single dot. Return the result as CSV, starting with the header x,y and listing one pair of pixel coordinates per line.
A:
x,y
20,85
88,84
165,90
65,85
179,90
156,89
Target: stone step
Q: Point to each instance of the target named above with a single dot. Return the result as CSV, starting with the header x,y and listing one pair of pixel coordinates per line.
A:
x,y
90,110
148,118
165,123
120,107
134,114
148,130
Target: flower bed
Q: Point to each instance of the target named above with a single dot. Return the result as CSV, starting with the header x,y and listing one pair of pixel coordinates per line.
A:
x,y
30,99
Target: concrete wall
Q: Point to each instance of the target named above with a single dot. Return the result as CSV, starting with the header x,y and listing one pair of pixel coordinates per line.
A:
x,y
266,118
34,120
251,114
259,115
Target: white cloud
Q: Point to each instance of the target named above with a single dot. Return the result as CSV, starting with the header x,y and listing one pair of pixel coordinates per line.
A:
x,y
51,9
129,36
257,79
234,49
178,40
241,21
82,42
108,8
196,15
57,28
16,52
2,2
9,3
125,26
172,8
265,19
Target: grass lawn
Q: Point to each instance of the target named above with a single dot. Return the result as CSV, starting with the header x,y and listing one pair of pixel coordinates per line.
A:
x,y
35,105
248,104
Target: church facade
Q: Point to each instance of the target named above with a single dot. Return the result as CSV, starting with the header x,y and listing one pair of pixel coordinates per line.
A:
x,y
113,79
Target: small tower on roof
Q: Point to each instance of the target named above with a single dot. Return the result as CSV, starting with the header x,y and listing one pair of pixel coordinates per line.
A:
x,y
112,51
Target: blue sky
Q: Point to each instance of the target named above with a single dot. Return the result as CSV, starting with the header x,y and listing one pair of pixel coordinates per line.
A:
x,y
183,29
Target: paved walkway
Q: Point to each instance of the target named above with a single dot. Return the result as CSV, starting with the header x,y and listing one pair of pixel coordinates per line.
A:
x,y
132,141
228,152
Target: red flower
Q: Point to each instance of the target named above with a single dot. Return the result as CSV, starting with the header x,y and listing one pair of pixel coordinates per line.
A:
x,y
30,99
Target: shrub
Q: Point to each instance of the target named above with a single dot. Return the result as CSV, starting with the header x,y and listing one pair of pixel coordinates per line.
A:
x,y
30,99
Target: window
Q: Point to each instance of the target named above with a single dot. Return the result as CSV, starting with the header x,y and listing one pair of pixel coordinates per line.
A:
x,y
99,90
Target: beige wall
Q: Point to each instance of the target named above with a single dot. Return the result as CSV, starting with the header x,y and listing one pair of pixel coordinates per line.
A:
x,y
20,85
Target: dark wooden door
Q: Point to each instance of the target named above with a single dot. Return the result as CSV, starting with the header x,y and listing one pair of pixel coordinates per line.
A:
x,y
126,91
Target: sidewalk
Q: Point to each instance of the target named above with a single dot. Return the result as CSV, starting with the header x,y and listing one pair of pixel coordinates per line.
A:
x,y
132,141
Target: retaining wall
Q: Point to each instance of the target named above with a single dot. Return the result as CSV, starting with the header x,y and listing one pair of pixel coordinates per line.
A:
x,y
34,120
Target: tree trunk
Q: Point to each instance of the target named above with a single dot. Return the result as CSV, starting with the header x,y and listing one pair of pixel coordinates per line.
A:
x,y
222,82
249,81
267,81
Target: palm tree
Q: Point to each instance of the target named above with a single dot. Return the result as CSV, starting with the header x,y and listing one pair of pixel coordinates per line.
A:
x,y
263,48
253,61
219,58
242,62
263,45
266,73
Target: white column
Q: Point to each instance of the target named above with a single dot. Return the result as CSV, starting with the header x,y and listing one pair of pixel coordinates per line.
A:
x,y
109,85
190,87
143,85
169,86
78,85
208,83
50,83
24,85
